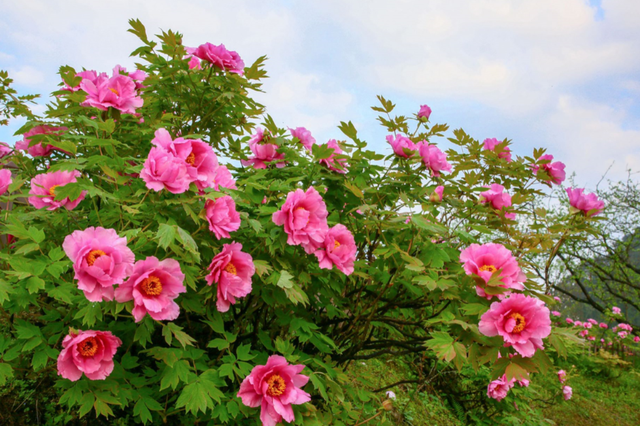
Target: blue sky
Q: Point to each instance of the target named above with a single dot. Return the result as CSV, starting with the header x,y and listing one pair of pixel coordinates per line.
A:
x,y
564,75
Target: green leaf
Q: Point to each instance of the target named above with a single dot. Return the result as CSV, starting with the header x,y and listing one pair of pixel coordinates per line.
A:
x,y
166,235
6,372
34,284
36,234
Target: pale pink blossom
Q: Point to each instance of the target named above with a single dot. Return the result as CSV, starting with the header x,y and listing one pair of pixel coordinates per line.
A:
x,y
138,76
194,63
38,150
339,249
153,286
433,158
567,392
577,324
336,164
220,57
584,333
554,170
555,313
263,151
592,321
232,270
589,204
5,180
304,216
483,261
43,190
556,298
89,352
5,150
275,387
425,112
222,216
163,170
304,136
437,194
491,144
591,338
522,321
223,179
616,310
562,376
402,146
101,259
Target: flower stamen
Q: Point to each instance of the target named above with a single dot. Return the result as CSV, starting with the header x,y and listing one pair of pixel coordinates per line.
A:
x,y
520,322
489,268
88,347
277,386
151,286
191,159
93,255
230,268
52,190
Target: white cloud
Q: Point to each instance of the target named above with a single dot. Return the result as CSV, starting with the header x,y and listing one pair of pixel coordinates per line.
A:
x,y
27,76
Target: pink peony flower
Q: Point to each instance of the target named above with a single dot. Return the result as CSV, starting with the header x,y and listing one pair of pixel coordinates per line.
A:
x,y
498,199
38,150
562,376
163,170
555,313
5,150
304,136
567,392
484,260
337,165
263,152
232,270
200,160
304,216
625,327
603,325
556,298
437,194
5,180
89,352
522,321
623,334
636,339
223,179
569,321
589,204
118,91
498,389
402,146
577,324
490,144
584,333
222,216
339,250
591,338
101,259
138,76
90,75
275,387
43,190
194,63
220,57
616,310
592,321
425,112
587,325
433,159
153,286
554,170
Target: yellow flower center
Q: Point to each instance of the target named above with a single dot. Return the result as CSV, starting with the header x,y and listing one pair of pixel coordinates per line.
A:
x,y
230,268
88,347
336,244
93,255
520,322
114,91
151,286
52,190
191,159
277,386
489,268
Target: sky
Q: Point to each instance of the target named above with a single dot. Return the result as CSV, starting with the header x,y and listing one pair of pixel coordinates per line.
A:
x,y
563,75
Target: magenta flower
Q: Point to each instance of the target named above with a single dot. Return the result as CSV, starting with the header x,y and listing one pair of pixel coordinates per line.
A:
x,y
555,313
556,298
636,339
138,76
425,112
263,152
402,146
5,150
304,216
163,170
5,180
275,387
90,75
490,144
38,150
89,352
220,57
101,259
589,204
433,159
562,376
482,261
222,216
43,190
569,321
616,310
567,392
336,164
437,194
232,270
603,325
554,170
118,91
339,249
592,321
200,160
153,286
522,321
304,136
498,389
498,199
223,179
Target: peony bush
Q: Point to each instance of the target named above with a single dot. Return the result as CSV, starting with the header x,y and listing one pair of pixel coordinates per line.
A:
x,y
211,267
